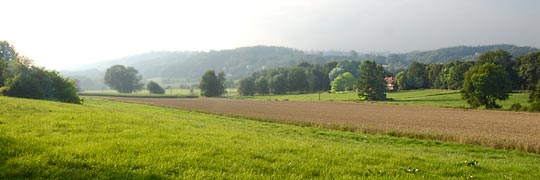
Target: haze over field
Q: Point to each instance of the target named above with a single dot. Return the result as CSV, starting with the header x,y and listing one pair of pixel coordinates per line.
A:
x,y
60,34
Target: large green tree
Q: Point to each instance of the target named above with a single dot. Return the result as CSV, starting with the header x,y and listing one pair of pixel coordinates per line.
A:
x,y
211,85
297,80
504,59
246,86
122,79
371,84
343,82
485,84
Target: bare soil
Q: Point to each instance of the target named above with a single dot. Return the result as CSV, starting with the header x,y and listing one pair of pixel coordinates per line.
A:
x,y
498,129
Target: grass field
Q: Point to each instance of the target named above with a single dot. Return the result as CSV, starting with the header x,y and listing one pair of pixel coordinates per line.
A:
x,y
169,93
428,97
111,140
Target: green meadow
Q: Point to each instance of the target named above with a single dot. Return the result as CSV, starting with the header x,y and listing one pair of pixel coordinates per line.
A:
x,y
105,139
427,97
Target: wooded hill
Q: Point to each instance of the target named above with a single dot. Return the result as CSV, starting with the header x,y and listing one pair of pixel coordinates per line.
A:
x,y
174,67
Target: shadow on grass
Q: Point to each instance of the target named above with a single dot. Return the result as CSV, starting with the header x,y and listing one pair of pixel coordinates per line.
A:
x,y
18,160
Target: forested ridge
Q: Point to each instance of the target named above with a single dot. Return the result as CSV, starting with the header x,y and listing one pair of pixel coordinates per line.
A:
x,y
173,67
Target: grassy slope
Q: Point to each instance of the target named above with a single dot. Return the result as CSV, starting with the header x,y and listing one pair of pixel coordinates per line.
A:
x,y
428,97
104,139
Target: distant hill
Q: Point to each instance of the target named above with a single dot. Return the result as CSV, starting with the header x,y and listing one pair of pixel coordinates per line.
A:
x,y
182,67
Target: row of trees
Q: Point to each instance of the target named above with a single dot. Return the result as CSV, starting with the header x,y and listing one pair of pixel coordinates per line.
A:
x,y
304,78
481,83
19,77
368,81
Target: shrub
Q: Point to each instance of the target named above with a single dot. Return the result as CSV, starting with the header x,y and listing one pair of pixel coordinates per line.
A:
x,y
535,107
154,88
516,107
37,83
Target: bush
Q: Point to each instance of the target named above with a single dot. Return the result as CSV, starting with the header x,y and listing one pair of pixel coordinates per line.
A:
x,y
154,88
37,83
516,107
535,107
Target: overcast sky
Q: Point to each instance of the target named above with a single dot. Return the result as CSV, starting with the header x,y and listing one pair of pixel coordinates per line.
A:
x,y
58,34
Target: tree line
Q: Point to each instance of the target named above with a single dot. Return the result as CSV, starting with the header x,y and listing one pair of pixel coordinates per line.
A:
x,y
482,82
304,78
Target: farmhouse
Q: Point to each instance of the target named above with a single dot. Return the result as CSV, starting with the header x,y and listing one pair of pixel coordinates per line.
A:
x,y
391,83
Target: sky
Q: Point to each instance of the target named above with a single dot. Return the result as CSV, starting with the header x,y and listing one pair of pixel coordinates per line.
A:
x,y
59,34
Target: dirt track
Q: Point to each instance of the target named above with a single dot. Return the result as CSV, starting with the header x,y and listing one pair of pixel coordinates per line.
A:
x,y
509,130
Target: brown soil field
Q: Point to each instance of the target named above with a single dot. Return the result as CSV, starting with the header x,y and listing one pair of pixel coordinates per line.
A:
x,y
497,129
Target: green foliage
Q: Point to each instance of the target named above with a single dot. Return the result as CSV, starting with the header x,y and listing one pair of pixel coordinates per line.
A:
x,y
371,84
113,140
456,74
434,76
343,67
504,59
278,84
415,77
343,82
37,83
528,68
297,80
122,79
23,79
154,88
211,85
247,87
485,84
261,85
7,54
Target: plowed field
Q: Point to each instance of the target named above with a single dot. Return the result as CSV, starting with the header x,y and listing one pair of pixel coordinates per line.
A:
x,y
498,129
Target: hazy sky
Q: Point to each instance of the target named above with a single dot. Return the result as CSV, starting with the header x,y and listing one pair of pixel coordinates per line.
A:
x,y
58,34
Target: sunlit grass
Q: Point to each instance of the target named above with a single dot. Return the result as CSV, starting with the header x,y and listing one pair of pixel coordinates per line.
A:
x,y
428,97
111,140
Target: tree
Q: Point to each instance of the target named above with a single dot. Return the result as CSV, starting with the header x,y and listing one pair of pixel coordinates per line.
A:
x,y
222,83
261,85
417,75
297,80
485,84
211,85
7,54
345,66
456,74
154,88
371,84
278,84
246,86
122,79
528,69
504,59
434,76
343,82
402,80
